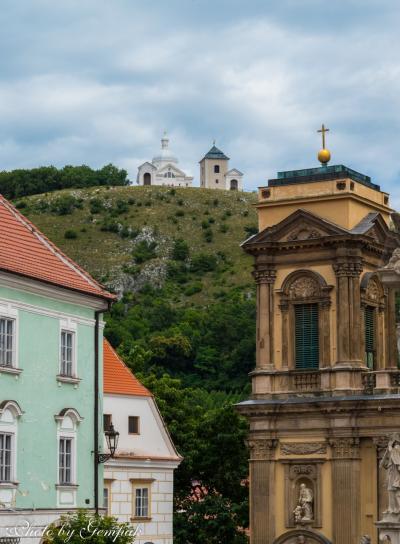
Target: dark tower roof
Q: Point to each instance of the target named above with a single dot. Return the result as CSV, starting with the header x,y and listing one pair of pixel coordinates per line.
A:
x,y
215,153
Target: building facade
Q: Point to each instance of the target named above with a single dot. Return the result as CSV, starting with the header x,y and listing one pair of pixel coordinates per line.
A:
x,y
139,480
163,169
325,390
50,317
215,172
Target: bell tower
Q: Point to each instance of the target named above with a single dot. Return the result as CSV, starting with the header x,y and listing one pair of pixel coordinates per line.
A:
x,y
325,390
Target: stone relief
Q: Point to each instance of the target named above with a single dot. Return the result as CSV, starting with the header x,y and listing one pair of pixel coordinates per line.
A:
x,y
391,463
302,448
304,232
365,539
304,287
262,449
304,509
373,291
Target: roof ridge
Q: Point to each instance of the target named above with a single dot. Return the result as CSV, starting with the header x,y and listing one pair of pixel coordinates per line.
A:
x,y
50,245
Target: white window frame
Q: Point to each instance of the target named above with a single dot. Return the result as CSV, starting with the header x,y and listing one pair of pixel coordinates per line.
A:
x,y
9,425
67,425
10,313
107,486
65,440
136,485
69,327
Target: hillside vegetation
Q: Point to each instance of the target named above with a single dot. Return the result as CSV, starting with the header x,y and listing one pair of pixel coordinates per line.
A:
x,y
184,323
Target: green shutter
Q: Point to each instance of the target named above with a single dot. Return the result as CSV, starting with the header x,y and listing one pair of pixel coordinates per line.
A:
x,y
306,336
369,318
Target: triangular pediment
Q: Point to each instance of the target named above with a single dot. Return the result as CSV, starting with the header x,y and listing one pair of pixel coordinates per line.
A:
x,y
300,225
234,172
170,168
374,226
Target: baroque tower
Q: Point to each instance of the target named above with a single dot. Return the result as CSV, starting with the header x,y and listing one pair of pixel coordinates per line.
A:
x,y
325,390
215,173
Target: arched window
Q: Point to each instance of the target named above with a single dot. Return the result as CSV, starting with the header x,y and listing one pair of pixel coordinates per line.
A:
x,y
216,169
234,185
372,319
305,303
67,466
146,179
9,415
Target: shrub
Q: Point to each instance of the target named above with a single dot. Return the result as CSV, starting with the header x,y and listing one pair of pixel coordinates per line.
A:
x,y
211,220
172,192
223,228
144,251
208,236
110,225
121,206
215,202
205,225
131,201
96,205
64,205
203,262
180,213
21,204
180,202
251,229
180,250
70,234
147,203
81,526
177,271
193,289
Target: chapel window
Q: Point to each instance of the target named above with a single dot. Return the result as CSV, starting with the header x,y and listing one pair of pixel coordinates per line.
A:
x,y
306,336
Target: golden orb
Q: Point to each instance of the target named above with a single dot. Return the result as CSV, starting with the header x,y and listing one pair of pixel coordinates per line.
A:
x,y
324,156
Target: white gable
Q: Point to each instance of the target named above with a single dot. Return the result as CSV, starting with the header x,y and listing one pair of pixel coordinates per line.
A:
x,y
234,172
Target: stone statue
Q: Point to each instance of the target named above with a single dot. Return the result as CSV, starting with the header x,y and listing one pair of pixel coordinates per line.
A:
x,y
304,509
394,262
391,462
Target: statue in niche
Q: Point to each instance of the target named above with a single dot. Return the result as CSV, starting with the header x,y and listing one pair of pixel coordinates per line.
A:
x,y
304,509
391,462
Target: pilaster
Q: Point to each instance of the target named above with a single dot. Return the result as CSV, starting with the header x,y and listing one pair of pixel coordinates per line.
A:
x,y
262,490
265,279
346,489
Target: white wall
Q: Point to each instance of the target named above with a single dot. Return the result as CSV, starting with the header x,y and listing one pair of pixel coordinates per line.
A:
x,y
152,440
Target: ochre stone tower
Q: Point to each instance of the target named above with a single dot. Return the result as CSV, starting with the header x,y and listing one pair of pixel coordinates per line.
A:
x,y
326,384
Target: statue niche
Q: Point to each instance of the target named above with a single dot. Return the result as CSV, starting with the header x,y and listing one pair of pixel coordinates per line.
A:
x,y
302,493
303,513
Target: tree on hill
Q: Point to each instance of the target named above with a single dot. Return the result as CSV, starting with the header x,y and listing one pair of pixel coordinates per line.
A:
x,y
24,182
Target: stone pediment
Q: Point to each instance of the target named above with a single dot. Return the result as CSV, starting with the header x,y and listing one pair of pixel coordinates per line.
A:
x,y
171,168
300,225
374,226
234,172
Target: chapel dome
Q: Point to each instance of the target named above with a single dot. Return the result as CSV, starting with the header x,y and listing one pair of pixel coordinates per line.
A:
x,y
165,155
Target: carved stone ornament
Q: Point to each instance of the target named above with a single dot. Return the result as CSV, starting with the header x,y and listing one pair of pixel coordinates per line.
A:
x,y
261,450
302,536
267,275
391,463
373,292
304,287
348,268
303,448
302,492
345,448
304,232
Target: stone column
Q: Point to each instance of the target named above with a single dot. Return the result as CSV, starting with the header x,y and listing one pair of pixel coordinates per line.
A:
x,y
346,490
262,491
265,278
348,312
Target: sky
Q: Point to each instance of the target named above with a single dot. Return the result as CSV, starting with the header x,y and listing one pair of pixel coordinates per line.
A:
x,y
98,81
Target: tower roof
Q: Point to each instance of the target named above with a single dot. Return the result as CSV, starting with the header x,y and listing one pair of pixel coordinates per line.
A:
x,y
165,155
215,153
118,379
24,250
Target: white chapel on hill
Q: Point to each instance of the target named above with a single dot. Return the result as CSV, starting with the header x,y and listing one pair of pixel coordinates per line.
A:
x,y
163,169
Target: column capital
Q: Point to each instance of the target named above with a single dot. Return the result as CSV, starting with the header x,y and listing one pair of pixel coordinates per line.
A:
x,y
265,275
345,447
262,449
349,268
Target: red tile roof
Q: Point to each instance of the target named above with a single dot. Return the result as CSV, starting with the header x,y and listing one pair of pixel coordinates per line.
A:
x,y
24,250
118,379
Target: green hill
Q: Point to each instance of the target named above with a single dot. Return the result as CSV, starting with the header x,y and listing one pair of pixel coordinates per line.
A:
x,y
100,228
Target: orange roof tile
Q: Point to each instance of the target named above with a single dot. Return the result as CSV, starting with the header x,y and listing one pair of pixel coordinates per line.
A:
x,y
118,379
24,250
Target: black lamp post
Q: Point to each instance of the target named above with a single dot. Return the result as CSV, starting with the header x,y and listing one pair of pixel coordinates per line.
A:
x,y
112,437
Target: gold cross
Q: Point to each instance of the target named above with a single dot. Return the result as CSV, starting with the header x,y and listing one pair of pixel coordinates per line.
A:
x,y
323,130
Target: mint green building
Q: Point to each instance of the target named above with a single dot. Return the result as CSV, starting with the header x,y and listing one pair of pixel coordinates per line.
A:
x,y
50,380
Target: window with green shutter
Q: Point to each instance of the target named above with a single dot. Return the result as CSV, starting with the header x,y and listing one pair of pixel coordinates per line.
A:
x,y
306,336
369,320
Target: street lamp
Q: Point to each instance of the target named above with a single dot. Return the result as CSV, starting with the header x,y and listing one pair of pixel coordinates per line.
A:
x,y
112,437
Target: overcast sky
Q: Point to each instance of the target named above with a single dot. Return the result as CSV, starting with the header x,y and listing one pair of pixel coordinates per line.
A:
x,y
97,81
